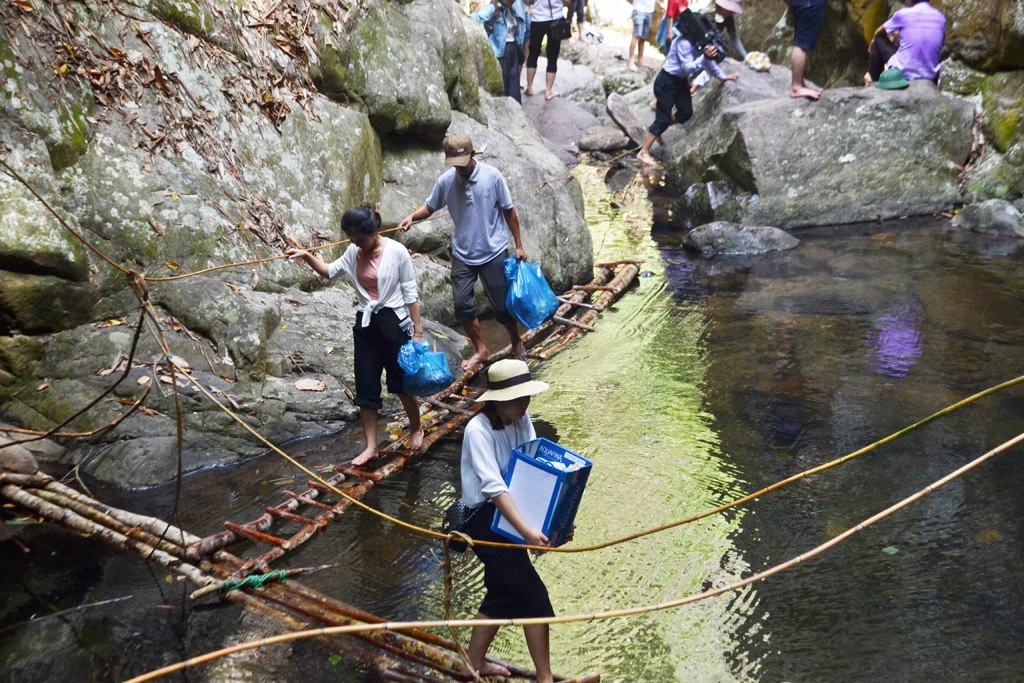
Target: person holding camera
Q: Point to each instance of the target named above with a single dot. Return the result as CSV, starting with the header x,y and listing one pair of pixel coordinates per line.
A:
x,y
685,61
505,22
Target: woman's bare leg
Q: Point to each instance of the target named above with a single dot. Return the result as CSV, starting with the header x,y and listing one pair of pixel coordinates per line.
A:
x,y
412,411
368,421
538,642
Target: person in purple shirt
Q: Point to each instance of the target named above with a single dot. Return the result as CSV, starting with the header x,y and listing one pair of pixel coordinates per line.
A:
x,y
672,89
919,32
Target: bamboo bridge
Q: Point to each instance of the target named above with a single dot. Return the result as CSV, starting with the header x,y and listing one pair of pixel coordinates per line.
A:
x,y
412,655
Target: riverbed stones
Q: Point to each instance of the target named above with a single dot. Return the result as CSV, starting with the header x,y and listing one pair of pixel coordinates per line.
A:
x,y
994,217
603,139
729,239
624,115
15,458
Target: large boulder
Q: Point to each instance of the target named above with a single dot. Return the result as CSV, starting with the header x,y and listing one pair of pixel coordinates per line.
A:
x,y
987,34
407,65
856,154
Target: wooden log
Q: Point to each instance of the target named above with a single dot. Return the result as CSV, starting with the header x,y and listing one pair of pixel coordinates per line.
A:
x,y
580,304
281,514
444,406
625,277
254,535
573,323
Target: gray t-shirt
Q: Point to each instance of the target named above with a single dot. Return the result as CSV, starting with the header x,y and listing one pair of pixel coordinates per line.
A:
x,y
476,207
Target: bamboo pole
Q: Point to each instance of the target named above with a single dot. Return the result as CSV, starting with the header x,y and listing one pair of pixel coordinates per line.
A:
x,y
110,522
89,528
156,527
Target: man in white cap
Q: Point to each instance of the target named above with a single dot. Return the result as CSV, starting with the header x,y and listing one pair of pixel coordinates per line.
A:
x,y
480,204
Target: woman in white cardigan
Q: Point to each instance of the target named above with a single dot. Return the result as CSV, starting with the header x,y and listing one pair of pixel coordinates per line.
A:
x,y
381,272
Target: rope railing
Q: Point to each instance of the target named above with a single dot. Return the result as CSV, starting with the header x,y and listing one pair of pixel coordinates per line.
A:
x,y
437,534
595,616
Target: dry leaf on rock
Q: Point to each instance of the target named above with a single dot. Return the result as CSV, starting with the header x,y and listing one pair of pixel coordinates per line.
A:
x,y
308,384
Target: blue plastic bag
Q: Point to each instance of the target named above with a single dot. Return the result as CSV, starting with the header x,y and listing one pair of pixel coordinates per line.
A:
x,y
410,356
529,297
426,371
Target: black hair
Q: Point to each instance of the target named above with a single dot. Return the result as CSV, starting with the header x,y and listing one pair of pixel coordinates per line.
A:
x,y
361,220
490,410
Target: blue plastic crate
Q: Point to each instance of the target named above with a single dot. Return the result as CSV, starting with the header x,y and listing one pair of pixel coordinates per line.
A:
x,y
546,481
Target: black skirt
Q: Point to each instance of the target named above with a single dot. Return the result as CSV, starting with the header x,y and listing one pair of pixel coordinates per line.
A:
x,y
514,589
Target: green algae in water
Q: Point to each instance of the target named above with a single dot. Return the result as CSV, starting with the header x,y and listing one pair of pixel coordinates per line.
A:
x,y
629,398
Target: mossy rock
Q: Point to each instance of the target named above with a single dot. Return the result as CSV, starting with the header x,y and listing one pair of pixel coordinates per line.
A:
x,y
42,303
186,15
998,177
1003,103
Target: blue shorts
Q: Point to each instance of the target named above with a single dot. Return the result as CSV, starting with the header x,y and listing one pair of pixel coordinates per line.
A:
x,y
642,24
808,18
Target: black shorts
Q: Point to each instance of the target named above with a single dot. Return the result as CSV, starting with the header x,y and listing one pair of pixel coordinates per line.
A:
x,y
376,350
492,276
514,589
808,19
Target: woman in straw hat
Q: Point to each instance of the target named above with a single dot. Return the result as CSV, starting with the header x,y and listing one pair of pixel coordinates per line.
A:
x,y
514,589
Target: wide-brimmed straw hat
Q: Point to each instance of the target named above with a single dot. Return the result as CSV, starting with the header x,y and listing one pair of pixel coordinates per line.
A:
x,y
509,379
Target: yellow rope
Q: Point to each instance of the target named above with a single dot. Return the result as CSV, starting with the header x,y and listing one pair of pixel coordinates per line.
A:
x,y
609,614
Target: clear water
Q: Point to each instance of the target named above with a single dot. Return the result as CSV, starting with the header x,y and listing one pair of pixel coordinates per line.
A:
x,y
709,380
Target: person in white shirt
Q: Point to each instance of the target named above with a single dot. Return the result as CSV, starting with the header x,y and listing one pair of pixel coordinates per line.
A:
x,y
514,589
643,13
381,272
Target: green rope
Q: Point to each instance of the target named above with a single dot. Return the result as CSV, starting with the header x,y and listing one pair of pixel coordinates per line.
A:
x,y
254,581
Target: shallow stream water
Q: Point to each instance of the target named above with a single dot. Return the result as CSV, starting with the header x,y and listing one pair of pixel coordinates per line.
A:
x,y
709,380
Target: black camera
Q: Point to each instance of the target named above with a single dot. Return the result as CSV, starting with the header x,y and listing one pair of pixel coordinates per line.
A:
x,y
700,30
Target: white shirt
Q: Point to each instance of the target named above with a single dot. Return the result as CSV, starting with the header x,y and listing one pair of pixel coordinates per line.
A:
x,y
396,281
547,10
485,457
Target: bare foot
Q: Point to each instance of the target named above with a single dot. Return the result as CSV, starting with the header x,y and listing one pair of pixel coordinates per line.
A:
x,y
368,455
518,351
631,66
653,104
572,39
415,441
804,91
488,669
528,92
476,360
640,64
645,158
551,94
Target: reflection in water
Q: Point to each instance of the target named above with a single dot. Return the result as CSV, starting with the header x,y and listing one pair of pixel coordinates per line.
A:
x,y
897,341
